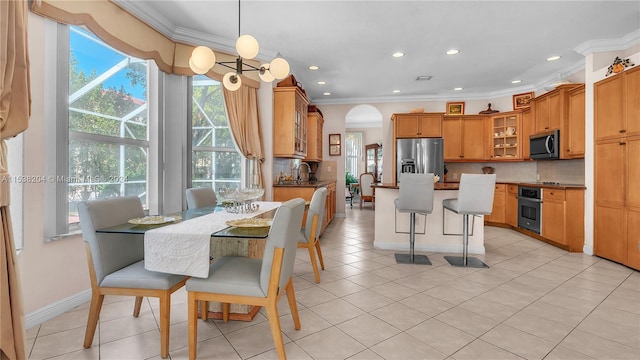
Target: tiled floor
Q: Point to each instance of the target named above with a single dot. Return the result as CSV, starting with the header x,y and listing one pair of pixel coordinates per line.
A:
x,y
535,302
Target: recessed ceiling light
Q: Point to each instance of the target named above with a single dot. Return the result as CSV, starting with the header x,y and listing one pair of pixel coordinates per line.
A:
x,y
453,52
396,91
397,54
321,82
314,67
516,81
553,58
457,89
326,94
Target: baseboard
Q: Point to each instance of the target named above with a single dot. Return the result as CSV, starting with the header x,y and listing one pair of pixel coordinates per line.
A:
x,y
58,308
454,249
587,249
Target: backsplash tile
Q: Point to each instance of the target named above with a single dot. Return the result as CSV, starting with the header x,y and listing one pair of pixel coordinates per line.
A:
x,y
562,171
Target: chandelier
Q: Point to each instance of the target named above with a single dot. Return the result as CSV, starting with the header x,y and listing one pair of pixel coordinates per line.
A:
x,y
203,59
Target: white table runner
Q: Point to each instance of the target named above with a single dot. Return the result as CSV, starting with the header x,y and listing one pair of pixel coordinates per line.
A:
x,y
183,248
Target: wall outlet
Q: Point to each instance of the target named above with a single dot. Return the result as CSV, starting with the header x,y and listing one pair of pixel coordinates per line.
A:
x,y
455,176
329,168
537,176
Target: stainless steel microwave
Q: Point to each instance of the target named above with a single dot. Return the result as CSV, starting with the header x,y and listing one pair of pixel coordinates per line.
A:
x,y
545,146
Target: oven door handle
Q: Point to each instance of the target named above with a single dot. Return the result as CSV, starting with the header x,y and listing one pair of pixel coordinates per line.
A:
x,y
529,199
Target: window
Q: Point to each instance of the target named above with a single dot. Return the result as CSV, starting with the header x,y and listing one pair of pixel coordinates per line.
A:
x,y
102,141
353,153
215,160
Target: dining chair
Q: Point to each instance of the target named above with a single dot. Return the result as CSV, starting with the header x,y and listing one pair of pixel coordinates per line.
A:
x,y
116,263
366,191
310,234
201,197
258,282
475,197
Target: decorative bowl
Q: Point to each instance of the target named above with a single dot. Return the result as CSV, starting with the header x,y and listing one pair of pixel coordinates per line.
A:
x,y
239,195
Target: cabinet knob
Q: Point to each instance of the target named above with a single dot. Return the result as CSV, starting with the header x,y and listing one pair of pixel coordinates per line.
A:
x,y
623,143
622,131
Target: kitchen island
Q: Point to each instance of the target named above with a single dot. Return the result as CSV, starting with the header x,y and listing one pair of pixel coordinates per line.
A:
x,y
441,232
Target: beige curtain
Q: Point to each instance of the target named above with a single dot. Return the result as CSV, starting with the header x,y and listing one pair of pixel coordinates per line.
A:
x,y
15,108
244,120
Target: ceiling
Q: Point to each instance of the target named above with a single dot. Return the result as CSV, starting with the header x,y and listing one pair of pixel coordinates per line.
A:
x,y
352,41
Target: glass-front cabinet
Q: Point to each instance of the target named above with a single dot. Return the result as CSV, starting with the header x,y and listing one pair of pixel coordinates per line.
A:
x,y
374,160
505,130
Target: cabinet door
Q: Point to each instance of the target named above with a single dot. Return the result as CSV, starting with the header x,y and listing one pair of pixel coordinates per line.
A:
x,y
499,205
553,220
610,233
632,101
632,187
430,125
451,130
575,128
556,110
528,124
609,172
473,140
609,107
633,239
542,115
406,126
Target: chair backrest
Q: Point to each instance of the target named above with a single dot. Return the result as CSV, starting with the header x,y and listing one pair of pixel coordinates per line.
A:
x,y
476,193
416,193
111,252
201,197
366,179
317,206
284,233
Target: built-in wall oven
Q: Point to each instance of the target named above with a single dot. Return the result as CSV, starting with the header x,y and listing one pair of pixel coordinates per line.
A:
x,y
530,208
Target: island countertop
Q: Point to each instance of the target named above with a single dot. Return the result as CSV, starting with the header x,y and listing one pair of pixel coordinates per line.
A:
x,y
315,185
436,186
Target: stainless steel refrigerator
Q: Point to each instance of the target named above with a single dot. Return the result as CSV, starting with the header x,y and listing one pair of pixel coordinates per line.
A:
x,y
420,156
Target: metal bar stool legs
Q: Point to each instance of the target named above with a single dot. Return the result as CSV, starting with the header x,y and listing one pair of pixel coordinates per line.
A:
x,y
465,260
411,258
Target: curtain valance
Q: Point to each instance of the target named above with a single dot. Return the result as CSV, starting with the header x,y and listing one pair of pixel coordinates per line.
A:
x,y
125,32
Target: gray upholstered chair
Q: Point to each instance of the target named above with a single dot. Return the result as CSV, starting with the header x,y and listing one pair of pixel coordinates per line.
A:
x,y
258,282
366,191
310,234
116,264
475,197
416,197
201,197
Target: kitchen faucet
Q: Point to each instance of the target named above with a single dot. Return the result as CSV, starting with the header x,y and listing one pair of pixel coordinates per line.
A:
x,y
308,170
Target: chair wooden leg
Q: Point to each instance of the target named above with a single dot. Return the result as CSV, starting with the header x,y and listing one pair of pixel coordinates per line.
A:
x,y
165,315
137,306
204,310
314,263
360,201
319,251
225,312
92,321
291,298
274,324
193,324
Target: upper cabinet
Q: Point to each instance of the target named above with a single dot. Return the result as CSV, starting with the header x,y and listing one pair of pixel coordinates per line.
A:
x,y
526,131
464,138
417,125
289,122
574,129
551,109
617,99
505,133
315,122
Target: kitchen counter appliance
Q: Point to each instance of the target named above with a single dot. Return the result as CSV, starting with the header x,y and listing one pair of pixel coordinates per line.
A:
x,y
530,208
420,156
545,146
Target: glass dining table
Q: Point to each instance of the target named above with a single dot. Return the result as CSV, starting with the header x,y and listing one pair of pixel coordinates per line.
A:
x,y
225,241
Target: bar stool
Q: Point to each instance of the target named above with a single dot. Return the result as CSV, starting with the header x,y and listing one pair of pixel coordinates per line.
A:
x,y
416,196
475,197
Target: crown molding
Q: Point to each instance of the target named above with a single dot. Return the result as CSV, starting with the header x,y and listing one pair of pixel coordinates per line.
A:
x,y
147,15
604,45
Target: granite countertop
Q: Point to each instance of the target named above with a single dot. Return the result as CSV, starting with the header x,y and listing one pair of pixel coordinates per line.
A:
x,y
316,184
436,186
455,185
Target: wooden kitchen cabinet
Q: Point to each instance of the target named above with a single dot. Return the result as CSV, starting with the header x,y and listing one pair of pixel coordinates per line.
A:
x,y
528,124
552,109
464,138
417,125
498,212
563,217
330,206
617,105
315,123
511,210
284,193
289,122
505,135
573,147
